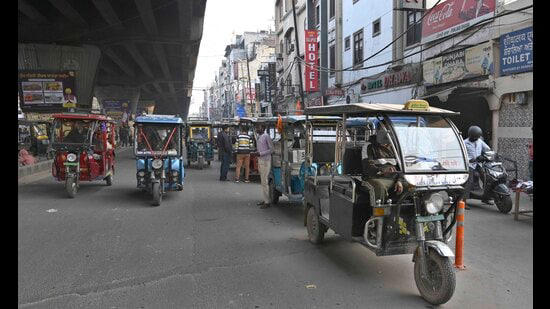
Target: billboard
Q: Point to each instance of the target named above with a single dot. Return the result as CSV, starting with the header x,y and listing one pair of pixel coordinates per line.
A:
x,y
516,52
452,16
461,64
311,55
46,91
116,108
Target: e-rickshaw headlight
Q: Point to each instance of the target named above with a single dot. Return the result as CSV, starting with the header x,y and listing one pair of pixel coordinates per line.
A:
x,y
141,173
157,163
175,173
434,203
71,157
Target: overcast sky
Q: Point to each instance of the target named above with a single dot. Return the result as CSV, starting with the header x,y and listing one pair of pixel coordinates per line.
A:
x,y
223,20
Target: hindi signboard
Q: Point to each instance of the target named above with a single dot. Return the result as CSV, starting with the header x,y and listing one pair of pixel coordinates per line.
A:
x,y
46,91
516,52
409,74
311,55
452,16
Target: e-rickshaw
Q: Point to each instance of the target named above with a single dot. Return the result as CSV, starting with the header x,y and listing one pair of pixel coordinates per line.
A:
x,y
430,163
158,147
84,147
288,160
34,135
199,142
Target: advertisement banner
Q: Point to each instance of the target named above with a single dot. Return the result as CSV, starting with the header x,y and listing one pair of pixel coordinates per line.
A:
x,y
516,52
409,74
311,55
41,90
116,108
452,16
462,64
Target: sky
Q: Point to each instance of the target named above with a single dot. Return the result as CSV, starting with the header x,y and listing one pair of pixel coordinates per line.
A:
x,y
223,20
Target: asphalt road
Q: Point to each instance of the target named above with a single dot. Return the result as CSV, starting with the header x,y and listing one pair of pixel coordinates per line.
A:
x,y
210,246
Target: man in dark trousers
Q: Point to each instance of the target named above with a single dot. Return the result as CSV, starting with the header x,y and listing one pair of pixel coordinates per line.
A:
x,y
224,149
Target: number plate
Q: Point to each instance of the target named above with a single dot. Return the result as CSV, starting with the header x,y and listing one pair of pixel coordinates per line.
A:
x,y
70,163
430,218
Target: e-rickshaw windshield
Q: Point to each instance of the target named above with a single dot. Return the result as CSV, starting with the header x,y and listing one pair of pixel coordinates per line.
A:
x,y
72,131
428,143
200,133
157,139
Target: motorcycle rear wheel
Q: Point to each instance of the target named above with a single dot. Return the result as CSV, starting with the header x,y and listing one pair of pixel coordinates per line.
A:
x,y
504,204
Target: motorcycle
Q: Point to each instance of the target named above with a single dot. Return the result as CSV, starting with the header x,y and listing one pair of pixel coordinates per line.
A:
x,y
491,182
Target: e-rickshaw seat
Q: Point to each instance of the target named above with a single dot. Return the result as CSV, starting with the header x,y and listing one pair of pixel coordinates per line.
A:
x,y
351,163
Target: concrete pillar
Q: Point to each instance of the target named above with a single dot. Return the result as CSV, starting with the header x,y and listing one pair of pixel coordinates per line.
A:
x,y
494,102
131,94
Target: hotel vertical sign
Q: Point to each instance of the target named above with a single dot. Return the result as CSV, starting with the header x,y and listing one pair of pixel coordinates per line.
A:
x,y
311,56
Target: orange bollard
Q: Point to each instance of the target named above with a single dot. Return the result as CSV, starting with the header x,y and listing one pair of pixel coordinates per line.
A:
x,y
459,235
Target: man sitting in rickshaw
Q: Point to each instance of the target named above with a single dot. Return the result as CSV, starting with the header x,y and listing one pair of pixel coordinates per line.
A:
x,y
77,133
380,166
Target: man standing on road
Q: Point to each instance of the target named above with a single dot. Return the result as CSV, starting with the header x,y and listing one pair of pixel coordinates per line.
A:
x,y
243,154
264,149
224,149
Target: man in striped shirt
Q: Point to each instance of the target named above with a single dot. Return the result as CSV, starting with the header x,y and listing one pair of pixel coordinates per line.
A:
x,y
243,154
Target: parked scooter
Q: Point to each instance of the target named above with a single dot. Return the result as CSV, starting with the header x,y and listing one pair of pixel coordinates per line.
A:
x,y
491,182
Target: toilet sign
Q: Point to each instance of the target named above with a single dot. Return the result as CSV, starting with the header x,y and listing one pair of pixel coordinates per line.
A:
x,y
311,56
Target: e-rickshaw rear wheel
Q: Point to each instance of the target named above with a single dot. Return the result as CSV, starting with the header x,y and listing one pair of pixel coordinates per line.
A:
x,y
109,180
439,285
71,187
315,229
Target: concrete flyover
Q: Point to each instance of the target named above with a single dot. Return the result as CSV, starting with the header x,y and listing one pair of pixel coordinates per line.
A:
x,y
147,48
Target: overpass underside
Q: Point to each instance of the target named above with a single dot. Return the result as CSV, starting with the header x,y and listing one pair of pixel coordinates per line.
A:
x,y
147,48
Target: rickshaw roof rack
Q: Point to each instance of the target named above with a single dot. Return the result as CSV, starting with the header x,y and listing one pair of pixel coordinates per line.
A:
x,y
159,119
82,115
359,109
301,118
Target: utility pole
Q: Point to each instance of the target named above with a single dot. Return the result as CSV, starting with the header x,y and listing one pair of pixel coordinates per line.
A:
x,y
248,71
298,52
338,47
324,47
397,47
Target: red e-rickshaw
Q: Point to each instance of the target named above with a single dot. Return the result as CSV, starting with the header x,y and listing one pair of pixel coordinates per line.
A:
x,y
85,149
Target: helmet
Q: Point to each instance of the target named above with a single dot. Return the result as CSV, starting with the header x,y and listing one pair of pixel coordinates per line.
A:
x,y
474,132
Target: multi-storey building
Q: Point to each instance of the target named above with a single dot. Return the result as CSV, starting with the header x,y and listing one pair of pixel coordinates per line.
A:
x,y
288,68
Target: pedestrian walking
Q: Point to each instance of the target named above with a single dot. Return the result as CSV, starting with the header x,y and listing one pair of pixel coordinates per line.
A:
x,y
243,154
264,149
224,150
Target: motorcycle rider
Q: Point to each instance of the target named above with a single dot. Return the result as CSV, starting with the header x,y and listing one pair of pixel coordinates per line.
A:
x,y
475,146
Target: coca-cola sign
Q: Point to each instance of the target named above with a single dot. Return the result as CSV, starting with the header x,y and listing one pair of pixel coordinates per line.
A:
x,y
452,16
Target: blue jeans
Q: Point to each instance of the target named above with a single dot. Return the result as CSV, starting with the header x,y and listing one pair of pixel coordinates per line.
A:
x,y
224,168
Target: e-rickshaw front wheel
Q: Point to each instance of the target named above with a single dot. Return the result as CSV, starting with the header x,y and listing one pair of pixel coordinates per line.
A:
x,y
438,284
157,194
70,186
109,180
315,229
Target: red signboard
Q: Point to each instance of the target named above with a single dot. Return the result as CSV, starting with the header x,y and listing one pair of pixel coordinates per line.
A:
x,y
311,55
452,16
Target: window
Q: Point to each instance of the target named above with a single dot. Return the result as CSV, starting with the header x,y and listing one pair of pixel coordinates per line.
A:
x,y
317,16
289,84
332,57
281,48
332,9
358,47
414,34
376,28
288,41
347,43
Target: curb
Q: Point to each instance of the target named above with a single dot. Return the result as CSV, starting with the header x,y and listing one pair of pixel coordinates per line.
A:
x,y
35,168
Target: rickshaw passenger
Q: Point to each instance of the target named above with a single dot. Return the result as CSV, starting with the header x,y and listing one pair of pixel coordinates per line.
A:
x,y
380,166
77,134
